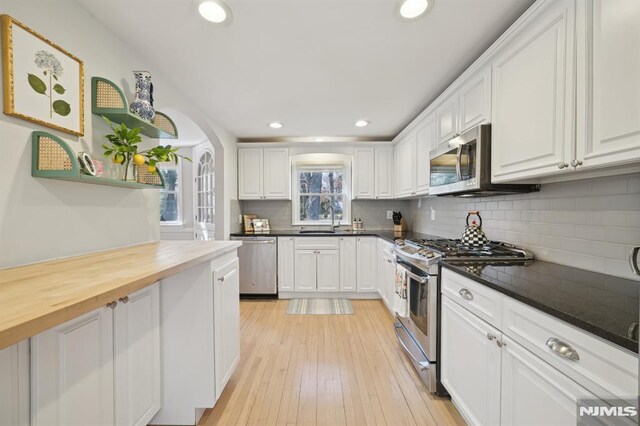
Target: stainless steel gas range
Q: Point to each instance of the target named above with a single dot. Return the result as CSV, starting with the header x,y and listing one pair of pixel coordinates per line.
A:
x,y
419,261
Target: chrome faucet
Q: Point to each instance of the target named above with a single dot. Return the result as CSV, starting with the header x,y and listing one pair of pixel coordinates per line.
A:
x,y
333,218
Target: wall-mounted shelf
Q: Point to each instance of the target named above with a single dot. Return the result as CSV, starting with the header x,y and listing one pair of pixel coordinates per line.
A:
x,y
52,158
107,99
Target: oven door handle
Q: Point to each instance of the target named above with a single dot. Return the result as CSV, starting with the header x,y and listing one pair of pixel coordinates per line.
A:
x,y
421,280
459,163
422,364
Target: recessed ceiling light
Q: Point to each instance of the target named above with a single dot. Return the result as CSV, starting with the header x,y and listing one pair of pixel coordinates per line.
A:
x,y
361,123
214,11
411,9
319,139
275,125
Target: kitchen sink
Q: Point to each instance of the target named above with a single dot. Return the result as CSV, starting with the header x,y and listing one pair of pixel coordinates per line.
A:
x,y
316,232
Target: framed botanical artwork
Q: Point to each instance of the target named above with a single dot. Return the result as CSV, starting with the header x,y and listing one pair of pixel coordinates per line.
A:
x,y
43,83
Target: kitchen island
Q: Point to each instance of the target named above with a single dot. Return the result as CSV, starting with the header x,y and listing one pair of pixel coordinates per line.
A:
x,y
98,338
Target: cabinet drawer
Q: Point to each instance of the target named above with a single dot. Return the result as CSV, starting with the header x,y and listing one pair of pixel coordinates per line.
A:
x,y
602,368
479,299
319,243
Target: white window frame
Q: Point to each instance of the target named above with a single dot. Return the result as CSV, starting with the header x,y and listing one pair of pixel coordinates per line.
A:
x,y
346,192
178,192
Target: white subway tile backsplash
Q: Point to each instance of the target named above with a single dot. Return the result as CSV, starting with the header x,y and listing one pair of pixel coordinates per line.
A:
x,y
589,224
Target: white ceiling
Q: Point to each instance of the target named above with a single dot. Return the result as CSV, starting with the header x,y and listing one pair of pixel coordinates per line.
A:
x,y
315,65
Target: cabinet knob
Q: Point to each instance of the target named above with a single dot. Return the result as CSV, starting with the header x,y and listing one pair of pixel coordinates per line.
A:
x,y
124,299
576,163
112,305
491,337
562,165
500,343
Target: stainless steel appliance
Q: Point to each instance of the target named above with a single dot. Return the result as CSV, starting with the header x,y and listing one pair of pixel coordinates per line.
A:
x,y
419,333
258,264
462,167
633,260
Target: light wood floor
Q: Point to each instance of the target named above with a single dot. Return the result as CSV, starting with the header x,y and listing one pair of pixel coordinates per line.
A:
x,y
324,370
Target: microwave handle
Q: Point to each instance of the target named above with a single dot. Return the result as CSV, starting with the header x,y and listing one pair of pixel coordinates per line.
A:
x,y
458,163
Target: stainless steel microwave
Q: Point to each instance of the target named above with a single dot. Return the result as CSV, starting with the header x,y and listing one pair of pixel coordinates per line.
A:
x,y
462,167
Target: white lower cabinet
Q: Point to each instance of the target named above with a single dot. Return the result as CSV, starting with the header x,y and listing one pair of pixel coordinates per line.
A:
x,y
226,305
366,264
101,368
348,273
305,270
470,364
286,270
72,375
328,270
533,392
386,271
137,357
317,270
14,385
496,378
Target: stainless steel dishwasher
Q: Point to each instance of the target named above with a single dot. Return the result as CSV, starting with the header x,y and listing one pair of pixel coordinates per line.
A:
x,y
258,262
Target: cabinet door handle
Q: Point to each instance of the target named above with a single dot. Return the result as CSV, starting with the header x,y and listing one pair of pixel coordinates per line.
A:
x,y
576,163
227,275
124,299
633,260
466,294
562,349
562,165
112,305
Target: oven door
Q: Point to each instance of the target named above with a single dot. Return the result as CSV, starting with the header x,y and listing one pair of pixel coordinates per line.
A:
x,y
423,308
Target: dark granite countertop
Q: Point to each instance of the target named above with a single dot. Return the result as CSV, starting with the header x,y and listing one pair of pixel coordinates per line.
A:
x,y
387,235
604,305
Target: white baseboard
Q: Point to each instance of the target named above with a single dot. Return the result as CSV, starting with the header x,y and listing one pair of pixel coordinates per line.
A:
x,y
327,295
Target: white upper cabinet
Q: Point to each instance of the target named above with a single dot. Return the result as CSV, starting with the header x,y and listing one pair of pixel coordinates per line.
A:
x,y
384,172
475,101
250,163
404,154
364,173
533,96
425,142
608,83
264,173
447,119
373,173
277,174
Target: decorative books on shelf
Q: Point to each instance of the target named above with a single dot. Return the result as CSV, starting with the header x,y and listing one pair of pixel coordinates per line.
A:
x,y
107,99
52,158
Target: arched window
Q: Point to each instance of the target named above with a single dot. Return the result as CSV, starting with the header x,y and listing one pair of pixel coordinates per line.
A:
x,y
205,196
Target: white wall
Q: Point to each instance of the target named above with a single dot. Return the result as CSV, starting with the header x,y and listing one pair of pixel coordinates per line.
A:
x,y
43,219
589,224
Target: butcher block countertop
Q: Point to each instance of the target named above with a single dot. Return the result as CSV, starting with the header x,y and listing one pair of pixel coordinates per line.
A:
x,y
36,297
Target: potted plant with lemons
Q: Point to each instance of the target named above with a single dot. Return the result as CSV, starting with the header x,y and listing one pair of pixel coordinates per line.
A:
x,y
124,150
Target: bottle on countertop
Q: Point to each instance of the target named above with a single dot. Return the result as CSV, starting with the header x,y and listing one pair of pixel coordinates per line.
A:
x,y
354,225
359,224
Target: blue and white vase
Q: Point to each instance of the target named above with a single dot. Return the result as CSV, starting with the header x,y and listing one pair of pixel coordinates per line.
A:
x,y
142,105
